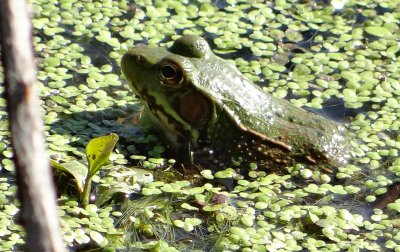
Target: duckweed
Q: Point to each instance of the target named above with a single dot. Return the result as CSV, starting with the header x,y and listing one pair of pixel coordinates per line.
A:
x,y
350,63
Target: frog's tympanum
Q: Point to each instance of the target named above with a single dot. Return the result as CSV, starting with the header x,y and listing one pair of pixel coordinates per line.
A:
x,y
199,100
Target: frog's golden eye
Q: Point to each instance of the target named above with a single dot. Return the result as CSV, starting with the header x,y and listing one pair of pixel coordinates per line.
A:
x,y
171,73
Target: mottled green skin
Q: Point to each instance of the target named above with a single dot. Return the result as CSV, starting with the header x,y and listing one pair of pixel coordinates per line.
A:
x,y
238,117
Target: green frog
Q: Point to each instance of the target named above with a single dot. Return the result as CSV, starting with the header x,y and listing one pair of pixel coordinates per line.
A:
x,y
200,101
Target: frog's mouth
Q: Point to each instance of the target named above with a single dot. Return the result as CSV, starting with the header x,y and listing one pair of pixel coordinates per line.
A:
x,y
135,90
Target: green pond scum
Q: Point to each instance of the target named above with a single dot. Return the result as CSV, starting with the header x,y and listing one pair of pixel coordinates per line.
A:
x,y
338,59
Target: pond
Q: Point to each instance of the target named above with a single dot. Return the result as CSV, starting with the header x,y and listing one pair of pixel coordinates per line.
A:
x,y
338,59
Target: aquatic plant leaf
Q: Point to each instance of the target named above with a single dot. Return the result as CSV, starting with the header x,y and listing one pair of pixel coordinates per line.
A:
x,y
378,31
75,168
99,150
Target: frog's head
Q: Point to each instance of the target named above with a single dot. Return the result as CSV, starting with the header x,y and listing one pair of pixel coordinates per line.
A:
x,y
167,82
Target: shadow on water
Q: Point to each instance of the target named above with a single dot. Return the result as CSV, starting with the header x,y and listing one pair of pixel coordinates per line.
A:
x,y
87,124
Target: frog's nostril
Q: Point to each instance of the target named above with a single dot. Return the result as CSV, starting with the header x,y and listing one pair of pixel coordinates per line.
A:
x,y
140,59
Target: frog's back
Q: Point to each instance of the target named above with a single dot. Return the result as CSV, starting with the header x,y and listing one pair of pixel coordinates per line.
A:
x,y
271,119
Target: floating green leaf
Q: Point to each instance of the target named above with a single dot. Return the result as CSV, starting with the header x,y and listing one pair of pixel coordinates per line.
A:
x,y
378,31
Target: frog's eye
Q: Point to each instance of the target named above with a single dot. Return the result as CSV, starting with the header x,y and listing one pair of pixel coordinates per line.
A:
x,y
171,73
